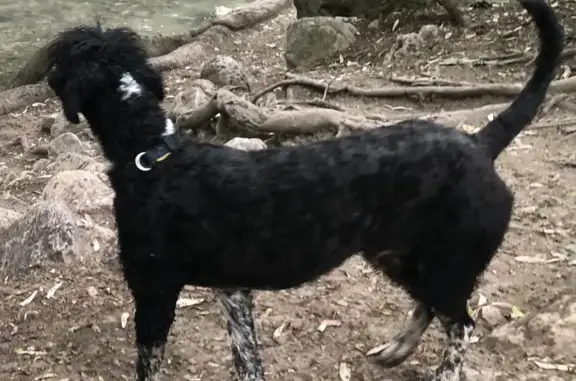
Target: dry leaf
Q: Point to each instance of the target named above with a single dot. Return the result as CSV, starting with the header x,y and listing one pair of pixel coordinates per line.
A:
x,y
560,367
124,319
52,291
481,300
328,323
516,313
92,291
189,302
529,259
45,376
376,350
29,299
278,331
95,245
345,372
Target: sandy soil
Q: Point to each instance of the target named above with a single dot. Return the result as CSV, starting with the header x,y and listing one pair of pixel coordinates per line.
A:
x,y
77,334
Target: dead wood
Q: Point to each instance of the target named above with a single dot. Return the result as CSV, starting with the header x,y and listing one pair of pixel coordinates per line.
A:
x,y
472,90
193,54
425,81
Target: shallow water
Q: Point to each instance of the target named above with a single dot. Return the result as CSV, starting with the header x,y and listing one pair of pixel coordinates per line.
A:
x,y
26,25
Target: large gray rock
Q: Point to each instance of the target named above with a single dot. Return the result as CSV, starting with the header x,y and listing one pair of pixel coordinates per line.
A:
x,y
371,9
46,232
81,190
69,161
226,71
310,40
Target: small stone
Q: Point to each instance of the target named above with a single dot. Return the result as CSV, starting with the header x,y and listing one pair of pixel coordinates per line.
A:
x,y
247,144
66,142
492,316
374,24
226,71
429,34
40,165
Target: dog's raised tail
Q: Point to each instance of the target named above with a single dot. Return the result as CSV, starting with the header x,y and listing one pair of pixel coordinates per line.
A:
x,y
500,132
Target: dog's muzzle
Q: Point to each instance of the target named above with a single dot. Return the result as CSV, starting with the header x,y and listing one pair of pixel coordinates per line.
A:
x,y
145,160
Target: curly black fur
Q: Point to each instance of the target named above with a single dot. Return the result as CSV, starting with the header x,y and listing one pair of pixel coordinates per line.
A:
x,y
421,202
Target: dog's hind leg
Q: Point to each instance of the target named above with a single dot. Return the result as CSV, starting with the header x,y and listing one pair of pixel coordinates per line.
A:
x,y
402,345
155,310
459,331
397,350
238,306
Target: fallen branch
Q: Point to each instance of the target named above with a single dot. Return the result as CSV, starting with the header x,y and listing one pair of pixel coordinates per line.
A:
x,y
312,102
505,60
166,52
473,90
423,81
554,124
235,19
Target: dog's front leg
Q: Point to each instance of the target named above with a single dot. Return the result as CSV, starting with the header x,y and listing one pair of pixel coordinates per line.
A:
x,y
155,311
238,306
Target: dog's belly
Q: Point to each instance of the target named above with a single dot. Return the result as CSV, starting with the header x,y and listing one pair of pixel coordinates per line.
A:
x,y
277,264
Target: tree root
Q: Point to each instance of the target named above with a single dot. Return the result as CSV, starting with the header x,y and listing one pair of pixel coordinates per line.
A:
x,y
166,52
246,119
239,18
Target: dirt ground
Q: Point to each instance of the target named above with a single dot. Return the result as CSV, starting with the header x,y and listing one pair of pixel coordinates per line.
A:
x,y
77,334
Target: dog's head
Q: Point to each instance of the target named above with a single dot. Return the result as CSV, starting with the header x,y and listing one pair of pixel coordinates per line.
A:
x,y
86,62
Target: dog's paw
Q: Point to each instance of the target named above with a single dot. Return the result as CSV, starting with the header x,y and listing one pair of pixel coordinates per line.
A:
x,y
393,353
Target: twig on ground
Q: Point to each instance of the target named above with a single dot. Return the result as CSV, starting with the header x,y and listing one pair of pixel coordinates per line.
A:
x,y
553,124
505,60
423,81
326,89
316,102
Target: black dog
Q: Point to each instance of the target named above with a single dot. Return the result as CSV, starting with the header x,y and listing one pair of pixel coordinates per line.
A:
x,y
421,202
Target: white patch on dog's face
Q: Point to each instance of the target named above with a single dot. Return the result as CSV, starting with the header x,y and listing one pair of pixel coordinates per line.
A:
x,y
129,87
168,128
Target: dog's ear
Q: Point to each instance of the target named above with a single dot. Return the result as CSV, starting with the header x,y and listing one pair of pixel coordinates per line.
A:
x,y
71,103
151,80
